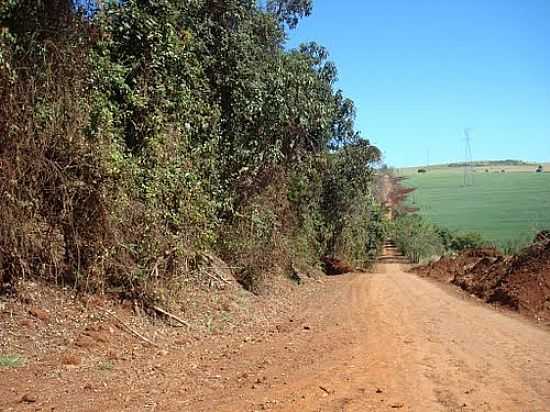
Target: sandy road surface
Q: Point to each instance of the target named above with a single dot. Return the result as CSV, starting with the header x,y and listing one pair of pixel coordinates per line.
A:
x,y
369,342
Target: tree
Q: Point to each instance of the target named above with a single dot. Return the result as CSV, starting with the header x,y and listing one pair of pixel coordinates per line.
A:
x,y
289,12
140,132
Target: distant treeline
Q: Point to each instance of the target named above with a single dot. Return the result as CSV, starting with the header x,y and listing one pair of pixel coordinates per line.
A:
x,y
485,163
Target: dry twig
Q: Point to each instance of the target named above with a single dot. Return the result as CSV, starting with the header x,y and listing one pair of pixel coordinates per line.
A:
x,y
171,316
217,278
131,330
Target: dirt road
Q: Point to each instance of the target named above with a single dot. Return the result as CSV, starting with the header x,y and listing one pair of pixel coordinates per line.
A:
x,y
374,342
396,341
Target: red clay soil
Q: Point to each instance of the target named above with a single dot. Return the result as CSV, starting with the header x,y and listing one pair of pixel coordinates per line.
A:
x,y
381,341
334,266
55,331
447,267
521,282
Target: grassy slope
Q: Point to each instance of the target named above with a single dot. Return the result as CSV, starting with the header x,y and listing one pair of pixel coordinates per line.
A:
x,y
503,208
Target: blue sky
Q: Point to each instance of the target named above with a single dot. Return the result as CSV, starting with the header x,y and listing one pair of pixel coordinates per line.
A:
x,y
422,71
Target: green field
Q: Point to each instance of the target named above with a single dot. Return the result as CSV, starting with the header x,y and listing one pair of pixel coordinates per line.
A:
x,y
505,208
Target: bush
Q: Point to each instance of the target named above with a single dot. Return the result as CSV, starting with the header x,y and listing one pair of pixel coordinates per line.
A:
x,y
417,239
54,213
256,238
457,242
420,240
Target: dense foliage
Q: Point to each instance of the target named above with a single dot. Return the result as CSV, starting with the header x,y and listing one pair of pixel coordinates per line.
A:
x,y
420,240
136,135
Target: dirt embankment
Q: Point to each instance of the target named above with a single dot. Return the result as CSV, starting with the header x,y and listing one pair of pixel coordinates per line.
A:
x,y
334,266
521,282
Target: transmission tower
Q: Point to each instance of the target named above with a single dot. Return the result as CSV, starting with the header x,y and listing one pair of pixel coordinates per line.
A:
x,y
468,167
427,158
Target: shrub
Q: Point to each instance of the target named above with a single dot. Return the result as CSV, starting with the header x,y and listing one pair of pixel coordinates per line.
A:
x,y
256,238
417,239
420,240
456,242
